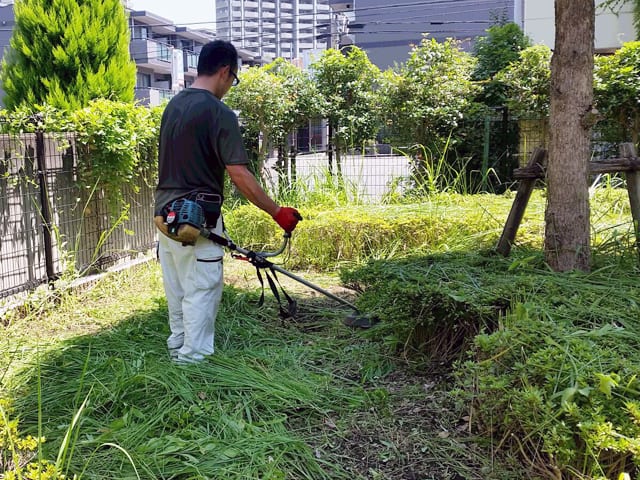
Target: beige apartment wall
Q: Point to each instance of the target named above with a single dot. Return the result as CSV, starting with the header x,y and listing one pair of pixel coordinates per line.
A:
x,y
611,30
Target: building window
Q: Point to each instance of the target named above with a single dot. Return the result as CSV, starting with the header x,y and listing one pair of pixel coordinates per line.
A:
x,y
164,52
192,59
143,80
140,32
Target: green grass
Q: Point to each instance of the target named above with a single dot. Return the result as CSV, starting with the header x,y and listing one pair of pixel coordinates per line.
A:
x,y
229,417
294,400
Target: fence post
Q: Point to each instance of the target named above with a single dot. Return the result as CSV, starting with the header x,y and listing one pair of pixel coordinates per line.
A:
x,y
45,209
525,189
633,187
485,151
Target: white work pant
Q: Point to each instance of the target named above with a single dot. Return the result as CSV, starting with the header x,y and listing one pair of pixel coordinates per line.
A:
x,y
193,282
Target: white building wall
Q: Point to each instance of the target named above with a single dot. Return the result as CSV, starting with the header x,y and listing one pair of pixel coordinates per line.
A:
x,y
612,30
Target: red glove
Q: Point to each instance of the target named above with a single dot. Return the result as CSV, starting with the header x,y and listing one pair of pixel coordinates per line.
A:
x,y
287,218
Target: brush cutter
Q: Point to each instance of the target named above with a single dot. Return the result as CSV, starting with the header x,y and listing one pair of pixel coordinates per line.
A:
x,y
259,260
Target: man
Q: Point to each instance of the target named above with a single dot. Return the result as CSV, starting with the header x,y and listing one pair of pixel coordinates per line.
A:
x,y
199,140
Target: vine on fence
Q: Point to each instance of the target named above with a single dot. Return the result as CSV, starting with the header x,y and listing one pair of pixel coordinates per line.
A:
x,y
118,140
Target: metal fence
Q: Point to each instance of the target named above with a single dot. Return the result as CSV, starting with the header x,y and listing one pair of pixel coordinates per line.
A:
x,y
51,224
366,178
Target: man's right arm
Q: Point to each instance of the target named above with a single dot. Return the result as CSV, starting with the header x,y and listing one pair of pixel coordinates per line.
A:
x,y
247,184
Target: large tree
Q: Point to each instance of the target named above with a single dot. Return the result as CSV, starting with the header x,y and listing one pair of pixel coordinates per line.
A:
x,y
567,236
66,53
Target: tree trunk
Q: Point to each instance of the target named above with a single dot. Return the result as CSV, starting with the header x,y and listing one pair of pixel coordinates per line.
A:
x,y
567,236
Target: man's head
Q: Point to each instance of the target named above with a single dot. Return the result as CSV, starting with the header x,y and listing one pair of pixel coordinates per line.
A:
x,y
218,59
216,55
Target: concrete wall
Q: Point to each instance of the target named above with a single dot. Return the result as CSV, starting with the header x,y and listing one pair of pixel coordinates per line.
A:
x,y
612,30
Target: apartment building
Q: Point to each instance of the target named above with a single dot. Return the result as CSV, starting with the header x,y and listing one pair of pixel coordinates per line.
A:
x,y
166,55
269,29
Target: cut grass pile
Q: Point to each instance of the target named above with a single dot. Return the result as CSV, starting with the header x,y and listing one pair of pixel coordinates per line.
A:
x,y
229,417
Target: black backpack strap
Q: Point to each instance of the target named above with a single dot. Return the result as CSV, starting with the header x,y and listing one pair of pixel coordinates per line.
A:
x,y
292,305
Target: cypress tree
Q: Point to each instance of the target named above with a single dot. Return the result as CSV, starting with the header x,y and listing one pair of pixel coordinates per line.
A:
x,y
65,53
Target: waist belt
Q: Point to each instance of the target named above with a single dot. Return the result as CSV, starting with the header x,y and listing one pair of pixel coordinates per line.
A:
x,y
211,204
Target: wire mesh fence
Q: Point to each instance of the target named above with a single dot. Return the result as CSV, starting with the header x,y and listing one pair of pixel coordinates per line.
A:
x,y
51,224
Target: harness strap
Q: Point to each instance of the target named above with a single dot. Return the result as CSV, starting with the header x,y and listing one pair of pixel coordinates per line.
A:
x,y
261,263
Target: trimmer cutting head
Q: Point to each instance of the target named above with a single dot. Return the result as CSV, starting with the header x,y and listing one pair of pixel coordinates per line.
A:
x,y
360,320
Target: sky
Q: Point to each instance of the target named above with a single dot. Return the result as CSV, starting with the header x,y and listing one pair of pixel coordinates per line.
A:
x,y
190,13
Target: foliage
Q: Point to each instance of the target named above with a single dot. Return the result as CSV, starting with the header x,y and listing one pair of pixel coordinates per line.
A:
x,y
116,141
302,98
67,53
495,51
617,89
616,5
552,370
262,101
437,172
528,82
429,97
349,82
558,379
273,100
18,453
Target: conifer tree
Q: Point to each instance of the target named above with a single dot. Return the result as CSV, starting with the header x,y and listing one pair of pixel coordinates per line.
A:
x,y
65,53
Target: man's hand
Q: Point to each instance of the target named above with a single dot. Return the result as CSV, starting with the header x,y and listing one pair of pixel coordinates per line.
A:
x,y
287,218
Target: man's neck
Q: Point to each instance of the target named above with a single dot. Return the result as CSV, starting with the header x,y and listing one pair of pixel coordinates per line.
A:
x,y
207,83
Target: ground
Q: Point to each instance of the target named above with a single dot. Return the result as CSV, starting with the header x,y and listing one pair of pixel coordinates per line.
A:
x,y
413,429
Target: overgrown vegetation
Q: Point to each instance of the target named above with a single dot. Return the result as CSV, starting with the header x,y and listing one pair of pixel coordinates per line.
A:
x,y
116,142
543,364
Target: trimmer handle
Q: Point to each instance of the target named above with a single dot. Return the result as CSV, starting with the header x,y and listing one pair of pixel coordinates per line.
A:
x,y
275,253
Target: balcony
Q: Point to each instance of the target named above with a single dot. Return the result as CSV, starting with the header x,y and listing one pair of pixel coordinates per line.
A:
x,y
151,96
190,61
152,54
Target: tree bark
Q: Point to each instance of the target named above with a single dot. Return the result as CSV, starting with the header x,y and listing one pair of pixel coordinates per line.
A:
x,y
567,235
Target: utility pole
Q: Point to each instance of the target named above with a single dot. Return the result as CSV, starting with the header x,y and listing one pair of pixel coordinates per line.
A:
x,y
342,16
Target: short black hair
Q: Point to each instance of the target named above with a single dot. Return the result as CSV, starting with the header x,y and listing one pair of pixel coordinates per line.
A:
x,y
215,55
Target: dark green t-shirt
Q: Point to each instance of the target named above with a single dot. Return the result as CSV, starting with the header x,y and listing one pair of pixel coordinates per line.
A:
x,y
199,136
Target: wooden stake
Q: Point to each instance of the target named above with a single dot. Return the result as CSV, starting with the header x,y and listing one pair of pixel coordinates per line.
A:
x,y
633,187
525,188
